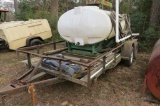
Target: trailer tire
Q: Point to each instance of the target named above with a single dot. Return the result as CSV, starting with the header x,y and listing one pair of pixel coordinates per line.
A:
x,y
129,61
2,43
35,42
135,52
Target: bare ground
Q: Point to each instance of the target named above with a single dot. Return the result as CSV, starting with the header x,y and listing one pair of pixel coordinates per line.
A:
x,y
121,86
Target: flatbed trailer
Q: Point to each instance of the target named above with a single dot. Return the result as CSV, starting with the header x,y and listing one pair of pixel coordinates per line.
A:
x,y
92,67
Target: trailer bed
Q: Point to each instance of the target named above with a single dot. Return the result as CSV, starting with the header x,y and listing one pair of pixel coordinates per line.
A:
x,y
96,69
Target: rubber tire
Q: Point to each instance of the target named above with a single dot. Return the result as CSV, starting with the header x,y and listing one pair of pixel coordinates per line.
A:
x,y
35,42
130,60
2,43
135,52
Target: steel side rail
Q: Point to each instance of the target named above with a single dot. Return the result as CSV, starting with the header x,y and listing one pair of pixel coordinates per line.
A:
x,y
10,90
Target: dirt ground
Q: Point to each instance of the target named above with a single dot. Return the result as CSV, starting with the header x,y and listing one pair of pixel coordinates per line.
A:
x,y
121,86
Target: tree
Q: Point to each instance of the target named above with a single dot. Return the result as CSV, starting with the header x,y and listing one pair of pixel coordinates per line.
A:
x,y
54,8
155,14
16,6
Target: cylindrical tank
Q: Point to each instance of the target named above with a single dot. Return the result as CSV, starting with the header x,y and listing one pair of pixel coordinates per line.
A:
x,y
153,71
87,25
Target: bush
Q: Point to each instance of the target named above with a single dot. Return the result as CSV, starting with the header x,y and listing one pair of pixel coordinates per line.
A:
x,y
30,11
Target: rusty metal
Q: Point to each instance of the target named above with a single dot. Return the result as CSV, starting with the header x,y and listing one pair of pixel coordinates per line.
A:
x,y
49,57
89,74
153,71
54,46
75,62
42,45
54,51
29,60
65,77
25,74
144,85
35,69
60,69
21,84
104,63
87,65
103,55
38,50
9,89
31,90
17,53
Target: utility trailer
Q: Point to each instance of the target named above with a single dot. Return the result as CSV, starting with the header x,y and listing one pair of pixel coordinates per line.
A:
x,y
87,54
92,68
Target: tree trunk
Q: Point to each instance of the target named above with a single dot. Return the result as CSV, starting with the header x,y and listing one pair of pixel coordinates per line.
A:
x,y
54,8
155,14
16,6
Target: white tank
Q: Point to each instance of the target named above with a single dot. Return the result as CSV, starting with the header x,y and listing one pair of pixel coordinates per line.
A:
x,y
86,25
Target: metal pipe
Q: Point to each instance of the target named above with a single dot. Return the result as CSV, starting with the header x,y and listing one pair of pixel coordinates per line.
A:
x,y
100,57
117,25
135,34
60,69
89,74
42,45
29,60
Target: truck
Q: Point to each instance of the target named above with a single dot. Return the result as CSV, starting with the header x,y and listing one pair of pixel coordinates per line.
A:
x,y
16,34
95,40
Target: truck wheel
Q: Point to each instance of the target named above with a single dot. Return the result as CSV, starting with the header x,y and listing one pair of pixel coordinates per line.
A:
x,y
35,42
130,60
135,52
2,43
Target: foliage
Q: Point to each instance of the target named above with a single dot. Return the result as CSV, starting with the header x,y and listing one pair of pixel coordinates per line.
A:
x,y
139,11
40,9
27,11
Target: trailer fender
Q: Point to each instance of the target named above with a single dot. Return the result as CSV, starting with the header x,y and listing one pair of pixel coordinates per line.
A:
x,y
31,38
128,47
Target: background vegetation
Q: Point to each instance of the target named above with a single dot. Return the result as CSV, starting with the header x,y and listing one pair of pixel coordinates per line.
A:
x,y
144,15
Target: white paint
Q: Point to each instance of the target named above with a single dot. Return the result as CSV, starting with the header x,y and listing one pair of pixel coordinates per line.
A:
x,y
93,75
117,25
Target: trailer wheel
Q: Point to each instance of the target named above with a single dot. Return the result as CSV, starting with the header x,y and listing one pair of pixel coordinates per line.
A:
x,y
2,43
135,52
35,42
129,61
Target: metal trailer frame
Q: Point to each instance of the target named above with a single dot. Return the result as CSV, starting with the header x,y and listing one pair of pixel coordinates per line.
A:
x,y
21,84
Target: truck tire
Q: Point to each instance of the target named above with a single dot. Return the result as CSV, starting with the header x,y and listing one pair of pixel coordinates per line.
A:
x,y
35,42
129,61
